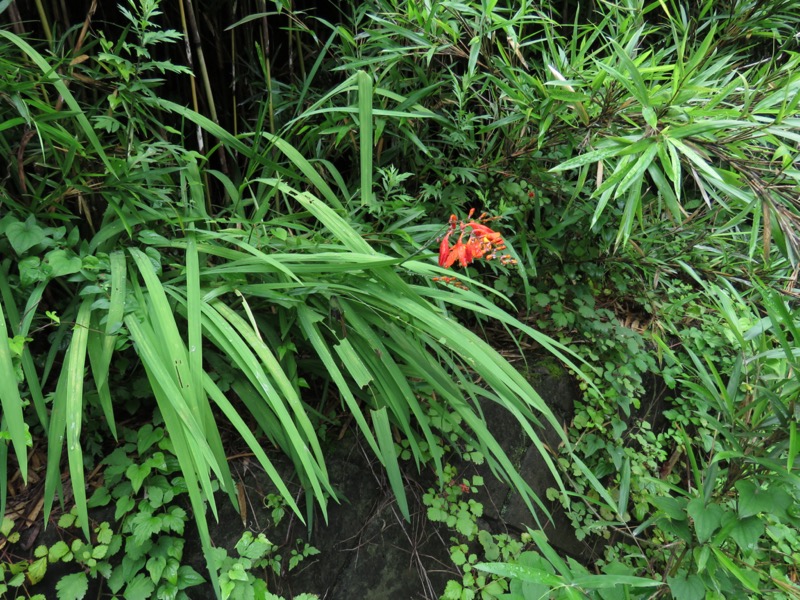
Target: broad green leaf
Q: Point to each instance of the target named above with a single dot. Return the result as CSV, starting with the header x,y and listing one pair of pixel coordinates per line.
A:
x,y
63,262
747,533
685,587
72,587
707,518
25,235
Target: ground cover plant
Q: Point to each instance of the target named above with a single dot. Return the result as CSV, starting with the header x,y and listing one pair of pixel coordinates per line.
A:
x,y
631,168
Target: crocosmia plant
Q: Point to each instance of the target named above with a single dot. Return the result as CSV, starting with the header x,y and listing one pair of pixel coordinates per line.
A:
x,y
476,240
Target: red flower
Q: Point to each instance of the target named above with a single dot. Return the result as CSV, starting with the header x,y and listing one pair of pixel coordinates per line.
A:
x,y
481,242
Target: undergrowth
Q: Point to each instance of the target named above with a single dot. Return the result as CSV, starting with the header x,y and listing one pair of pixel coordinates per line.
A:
x,y
268,270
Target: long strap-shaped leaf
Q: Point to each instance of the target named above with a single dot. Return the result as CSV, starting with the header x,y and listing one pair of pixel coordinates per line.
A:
x,y
11,401
168,348
101,342
28,367
220,332
67,416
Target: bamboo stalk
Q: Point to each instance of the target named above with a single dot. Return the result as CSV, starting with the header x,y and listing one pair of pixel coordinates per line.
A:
x,y
191,20
16,19
48,34
198,48
192,81
267,65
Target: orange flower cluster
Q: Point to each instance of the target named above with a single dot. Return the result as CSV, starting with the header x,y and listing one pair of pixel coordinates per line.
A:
x,y
482,242
451,281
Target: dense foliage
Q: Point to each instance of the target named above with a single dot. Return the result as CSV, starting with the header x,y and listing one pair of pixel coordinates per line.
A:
x,y
272,265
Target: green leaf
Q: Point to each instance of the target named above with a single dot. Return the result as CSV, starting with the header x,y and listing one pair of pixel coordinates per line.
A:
x,y
125,504
58,551
174,520
139,588
137,474
72,587
523,573
63,262
364,80
25,235
674,508
490,548
155,566
746,533
353,363
707,518
188,577
144,525
52,76
686,588
754,500
100,497
11,402
749,578
37,570
649,116
388,456
237,573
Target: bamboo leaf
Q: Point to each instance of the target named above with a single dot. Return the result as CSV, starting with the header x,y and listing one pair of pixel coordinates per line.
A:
x,y
365,135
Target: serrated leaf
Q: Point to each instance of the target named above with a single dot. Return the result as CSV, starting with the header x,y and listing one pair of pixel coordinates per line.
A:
x,y
256,549
72,587
66,520
37,570
173,522
144,525
58,551
117,579
104,535
139,588
490,549
6,526
237,573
